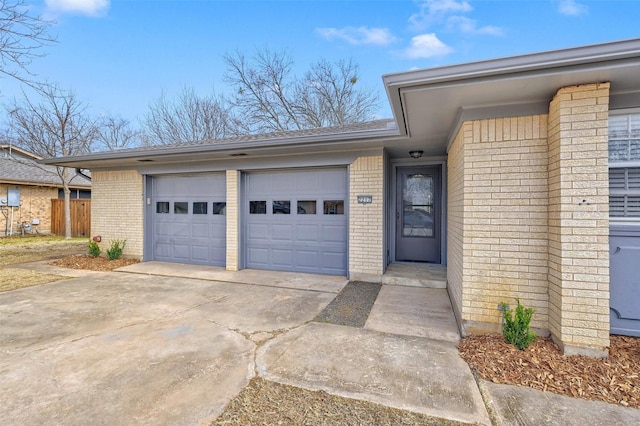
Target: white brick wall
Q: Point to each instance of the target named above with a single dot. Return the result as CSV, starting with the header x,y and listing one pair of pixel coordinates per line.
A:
x,y
117,209
366,221
233,220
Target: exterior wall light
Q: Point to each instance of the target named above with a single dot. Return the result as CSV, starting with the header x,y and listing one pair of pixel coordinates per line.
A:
x,y
415,154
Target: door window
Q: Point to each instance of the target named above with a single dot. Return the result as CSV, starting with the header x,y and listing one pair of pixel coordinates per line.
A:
x,y
417,205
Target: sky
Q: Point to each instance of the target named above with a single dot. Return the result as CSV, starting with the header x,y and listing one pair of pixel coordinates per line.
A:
x,y
120,55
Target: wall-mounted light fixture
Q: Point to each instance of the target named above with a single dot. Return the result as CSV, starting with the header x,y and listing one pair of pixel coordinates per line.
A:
x,y
415,154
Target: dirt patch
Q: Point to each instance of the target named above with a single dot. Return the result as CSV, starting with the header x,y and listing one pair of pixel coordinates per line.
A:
x,y
352,305
13,279
93,263
14,250
615,379
268,403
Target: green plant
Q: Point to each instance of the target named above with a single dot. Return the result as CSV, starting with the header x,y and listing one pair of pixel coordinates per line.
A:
x,y
515,327
94,249
115,250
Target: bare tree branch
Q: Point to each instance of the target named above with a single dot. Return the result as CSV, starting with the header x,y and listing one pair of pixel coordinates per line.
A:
x,y
22,37
57,126
270,98
114,132
189,118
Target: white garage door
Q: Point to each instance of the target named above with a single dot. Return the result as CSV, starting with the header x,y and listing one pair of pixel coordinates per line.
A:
x,y
297,220
188,219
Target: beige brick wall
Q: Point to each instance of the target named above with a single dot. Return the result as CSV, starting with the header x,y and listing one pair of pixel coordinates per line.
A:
x,y
117,209
233,220
579,217
528,217
36,203
504,228
455,218
366,239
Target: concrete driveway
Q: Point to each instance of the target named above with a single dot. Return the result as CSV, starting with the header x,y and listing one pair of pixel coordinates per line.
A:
x,y
135,348
121,348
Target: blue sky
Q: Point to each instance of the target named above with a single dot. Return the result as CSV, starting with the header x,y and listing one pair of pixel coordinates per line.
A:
x,y
119,55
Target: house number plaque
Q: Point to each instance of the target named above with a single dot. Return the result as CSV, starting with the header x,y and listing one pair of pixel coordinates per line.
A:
x,y
365,199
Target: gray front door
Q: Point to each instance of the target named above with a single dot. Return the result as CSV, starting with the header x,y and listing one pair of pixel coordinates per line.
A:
x,y
418,214
296,220
189,218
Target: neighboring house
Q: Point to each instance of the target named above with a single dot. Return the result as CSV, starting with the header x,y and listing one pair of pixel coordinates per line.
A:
x,y
27,188
498,169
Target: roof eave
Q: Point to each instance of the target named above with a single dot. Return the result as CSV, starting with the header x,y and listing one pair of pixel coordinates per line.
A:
x,y
233,146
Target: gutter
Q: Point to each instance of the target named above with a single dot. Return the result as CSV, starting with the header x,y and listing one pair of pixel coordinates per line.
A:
x,y
234,145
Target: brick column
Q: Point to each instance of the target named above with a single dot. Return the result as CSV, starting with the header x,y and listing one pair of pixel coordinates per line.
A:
x,y
233,220
579,219
366,221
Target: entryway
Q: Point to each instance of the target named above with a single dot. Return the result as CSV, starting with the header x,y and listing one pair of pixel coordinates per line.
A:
x,y
418,227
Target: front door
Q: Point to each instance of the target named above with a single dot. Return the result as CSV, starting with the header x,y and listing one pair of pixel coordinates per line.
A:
x,y
418,214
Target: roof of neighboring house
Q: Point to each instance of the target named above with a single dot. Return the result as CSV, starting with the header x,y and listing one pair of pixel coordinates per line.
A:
x,y
428,106
20,167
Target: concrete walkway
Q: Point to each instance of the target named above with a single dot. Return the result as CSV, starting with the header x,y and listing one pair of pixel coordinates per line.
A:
x,y
173,344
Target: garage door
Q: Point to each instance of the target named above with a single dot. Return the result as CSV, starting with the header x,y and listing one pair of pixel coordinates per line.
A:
x,y
189,221
297,220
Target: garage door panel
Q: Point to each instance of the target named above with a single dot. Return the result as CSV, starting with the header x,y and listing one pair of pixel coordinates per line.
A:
x,y
282,257
200,252
188,238
282,232
334,233
310,233
297,239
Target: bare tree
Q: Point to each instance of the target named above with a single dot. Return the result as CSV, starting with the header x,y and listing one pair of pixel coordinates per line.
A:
x,y
270,97
22,36
57,126
189,118
113,132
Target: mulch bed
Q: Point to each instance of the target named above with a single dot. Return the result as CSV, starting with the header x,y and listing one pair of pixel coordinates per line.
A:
x,y
93,263
268,403
352,305
542,366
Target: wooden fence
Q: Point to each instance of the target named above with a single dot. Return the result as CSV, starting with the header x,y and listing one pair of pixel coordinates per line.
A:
x,y
80,217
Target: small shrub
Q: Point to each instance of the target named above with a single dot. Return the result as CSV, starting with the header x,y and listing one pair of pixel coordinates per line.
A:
x,y
115,250
94,249
515,328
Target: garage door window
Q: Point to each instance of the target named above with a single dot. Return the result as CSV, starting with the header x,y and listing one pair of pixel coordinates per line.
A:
x,y
281,207
162,207
180,207
333,207
200,207
257,207
307,207
219,208
624,166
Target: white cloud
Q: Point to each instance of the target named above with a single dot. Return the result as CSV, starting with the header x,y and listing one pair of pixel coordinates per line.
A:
x,y
426,46
434,11
83,7
571,8
359,35
470,26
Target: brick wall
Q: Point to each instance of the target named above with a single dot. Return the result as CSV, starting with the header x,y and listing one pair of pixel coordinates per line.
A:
x,y
579,218
455,218
505,197
117,209
366,221
233,220
36,204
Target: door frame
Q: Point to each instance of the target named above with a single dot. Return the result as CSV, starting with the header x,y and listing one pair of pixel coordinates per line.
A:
x,y
392,197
